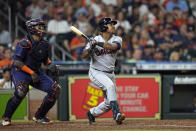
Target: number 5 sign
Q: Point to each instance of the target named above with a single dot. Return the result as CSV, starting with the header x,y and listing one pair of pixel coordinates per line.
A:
x,y
92,96
83,95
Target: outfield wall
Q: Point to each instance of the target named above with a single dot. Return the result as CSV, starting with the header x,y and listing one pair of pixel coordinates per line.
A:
x,y
145,90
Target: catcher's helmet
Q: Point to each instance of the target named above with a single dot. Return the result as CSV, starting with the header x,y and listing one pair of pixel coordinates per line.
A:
x,y
36,26
103,23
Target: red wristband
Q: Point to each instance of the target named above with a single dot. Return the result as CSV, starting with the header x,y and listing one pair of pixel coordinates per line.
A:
x,y
48,62
27,70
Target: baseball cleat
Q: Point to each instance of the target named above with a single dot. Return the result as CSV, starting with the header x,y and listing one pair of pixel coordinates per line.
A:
x,y
44,120
6,122
90,117
119,118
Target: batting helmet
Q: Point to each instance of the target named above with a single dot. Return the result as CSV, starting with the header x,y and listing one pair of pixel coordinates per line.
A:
x,y
36,26
103,23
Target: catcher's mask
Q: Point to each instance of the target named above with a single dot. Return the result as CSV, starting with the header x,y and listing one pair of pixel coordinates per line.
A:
x,y
36,27
103,23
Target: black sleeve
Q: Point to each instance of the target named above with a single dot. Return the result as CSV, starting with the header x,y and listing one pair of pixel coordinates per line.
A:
x,y
119,46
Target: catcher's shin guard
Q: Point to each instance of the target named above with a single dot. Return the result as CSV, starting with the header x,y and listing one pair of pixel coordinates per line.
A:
x,y
48,102
12,105
14,102
46,105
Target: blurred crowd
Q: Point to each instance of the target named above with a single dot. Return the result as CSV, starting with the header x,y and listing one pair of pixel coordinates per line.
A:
x,y
152,30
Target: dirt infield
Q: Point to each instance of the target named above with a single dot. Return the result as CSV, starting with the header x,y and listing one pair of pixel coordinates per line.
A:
x,y
185,125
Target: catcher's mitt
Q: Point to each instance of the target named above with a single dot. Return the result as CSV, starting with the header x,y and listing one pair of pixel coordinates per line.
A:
x,y
54,69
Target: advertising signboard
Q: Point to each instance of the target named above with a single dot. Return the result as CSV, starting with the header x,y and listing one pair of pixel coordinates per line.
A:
x,y
138,96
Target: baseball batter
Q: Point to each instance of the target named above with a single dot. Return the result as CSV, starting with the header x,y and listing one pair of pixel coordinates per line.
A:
x,y
103,50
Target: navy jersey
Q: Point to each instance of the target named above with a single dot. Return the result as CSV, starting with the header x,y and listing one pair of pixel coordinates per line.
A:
x,y
31,53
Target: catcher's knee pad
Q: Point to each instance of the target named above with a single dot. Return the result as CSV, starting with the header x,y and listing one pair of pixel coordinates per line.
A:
x,y
21,90
56,90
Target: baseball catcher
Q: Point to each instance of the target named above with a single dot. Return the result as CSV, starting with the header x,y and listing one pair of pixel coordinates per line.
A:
x,y
30,53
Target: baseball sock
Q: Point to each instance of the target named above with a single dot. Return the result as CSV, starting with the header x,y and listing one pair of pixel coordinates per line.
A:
x,y
115,108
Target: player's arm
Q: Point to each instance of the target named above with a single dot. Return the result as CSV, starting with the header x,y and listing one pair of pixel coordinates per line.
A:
x,y
110,46
85,54
88,50
22,66
115,45
53,68
46,60
22,50
26,69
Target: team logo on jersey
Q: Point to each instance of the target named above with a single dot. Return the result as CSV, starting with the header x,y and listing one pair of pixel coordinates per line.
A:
x,y
104,52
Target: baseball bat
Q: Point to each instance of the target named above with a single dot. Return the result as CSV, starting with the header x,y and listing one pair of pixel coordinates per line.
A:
x,y
78,32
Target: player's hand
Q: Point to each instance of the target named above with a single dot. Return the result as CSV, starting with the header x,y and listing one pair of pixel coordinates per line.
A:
x,y
92,42
35,78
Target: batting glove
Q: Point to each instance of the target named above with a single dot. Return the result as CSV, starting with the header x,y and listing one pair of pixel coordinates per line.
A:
x,y
92,42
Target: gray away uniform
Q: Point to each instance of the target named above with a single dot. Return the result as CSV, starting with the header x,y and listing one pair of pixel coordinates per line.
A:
x,y
101,73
